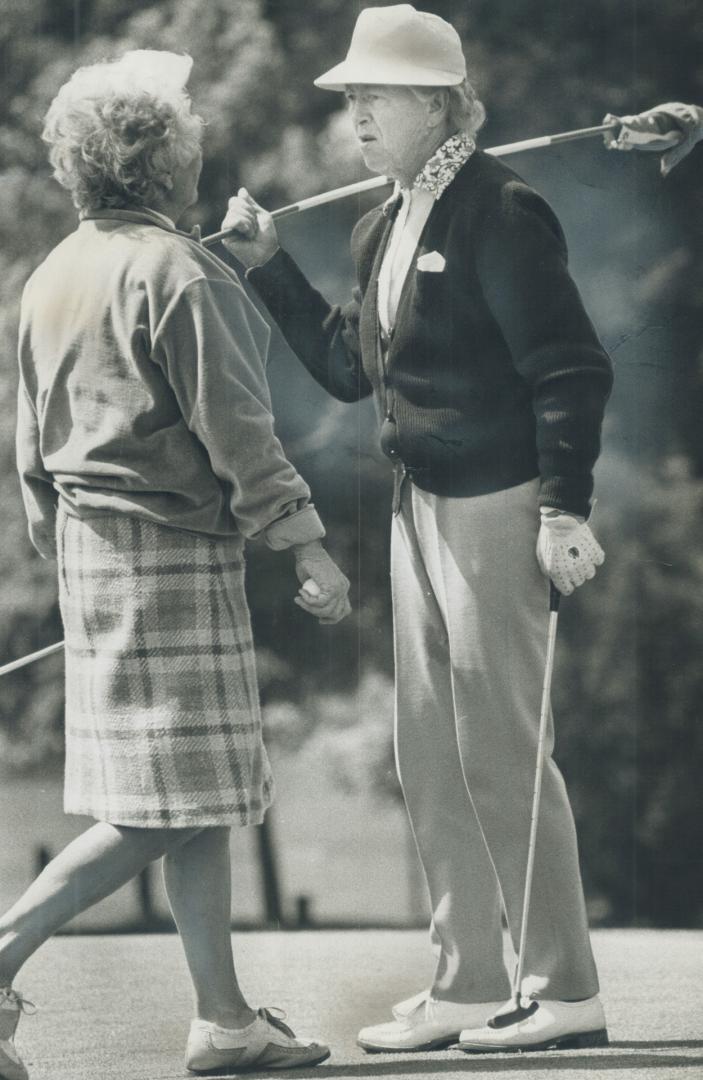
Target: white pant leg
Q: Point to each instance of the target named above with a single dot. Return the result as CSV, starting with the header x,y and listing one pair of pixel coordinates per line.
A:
x,y
464,896
480,560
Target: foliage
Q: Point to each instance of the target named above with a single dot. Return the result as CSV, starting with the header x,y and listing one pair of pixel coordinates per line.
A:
x,y
631,686
629,682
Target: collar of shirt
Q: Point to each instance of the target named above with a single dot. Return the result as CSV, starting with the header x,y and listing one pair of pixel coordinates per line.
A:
x,y
143,216
444,164
437,173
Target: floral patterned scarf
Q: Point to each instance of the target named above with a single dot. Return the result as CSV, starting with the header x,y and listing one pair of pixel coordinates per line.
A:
x,y
444,164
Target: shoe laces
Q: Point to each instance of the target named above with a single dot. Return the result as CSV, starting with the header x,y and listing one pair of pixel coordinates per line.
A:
x,y
275,1017
15,998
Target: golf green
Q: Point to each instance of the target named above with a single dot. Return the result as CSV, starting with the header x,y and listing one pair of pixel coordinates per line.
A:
x,y
118,1007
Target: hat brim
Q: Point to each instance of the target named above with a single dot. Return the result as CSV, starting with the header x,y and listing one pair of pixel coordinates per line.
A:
x,y
386,72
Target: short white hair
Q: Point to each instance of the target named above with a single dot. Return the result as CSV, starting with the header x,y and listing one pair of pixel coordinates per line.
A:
x,y
465,112
117,130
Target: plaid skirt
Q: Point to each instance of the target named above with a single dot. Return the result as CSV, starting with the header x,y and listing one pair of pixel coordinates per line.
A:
x,y
163,726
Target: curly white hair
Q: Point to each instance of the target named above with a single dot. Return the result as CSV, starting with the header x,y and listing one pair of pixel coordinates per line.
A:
x,y
118,129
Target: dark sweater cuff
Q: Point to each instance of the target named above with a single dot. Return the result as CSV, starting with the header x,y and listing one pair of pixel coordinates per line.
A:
x,y
572,494
270,273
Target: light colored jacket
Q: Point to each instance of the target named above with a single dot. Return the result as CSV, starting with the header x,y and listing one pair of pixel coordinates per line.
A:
x,y
143,389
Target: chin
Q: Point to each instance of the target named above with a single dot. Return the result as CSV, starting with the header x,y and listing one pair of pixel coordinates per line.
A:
x,y
374,159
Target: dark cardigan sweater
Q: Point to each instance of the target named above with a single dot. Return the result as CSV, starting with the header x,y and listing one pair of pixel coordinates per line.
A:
x,y
494,373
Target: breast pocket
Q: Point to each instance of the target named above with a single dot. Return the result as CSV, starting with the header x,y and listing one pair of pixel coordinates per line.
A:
x,y
429,287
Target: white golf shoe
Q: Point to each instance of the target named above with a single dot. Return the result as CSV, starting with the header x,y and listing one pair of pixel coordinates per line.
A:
x,y
554,1025
11,1005
266,1043
422,1023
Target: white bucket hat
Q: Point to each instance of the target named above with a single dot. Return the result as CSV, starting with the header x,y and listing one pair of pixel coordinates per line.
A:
x,y
399,46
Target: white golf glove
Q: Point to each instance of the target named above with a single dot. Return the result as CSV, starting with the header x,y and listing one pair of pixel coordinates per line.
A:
x,y
567,551
672,129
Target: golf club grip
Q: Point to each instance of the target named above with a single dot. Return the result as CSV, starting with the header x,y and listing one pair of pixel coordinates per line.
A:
x,y
554,597
215,238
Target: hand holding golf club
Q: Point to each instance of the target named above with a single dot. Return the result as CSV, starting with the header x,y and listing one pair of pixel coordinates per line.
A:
x,y
651,130
325,588
255,239
567,551
672,129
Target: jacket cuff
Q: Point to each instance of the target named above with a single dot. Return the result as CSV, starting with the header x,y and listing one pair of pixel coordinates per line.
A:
x,y
689,119
571,494
298,528
273,266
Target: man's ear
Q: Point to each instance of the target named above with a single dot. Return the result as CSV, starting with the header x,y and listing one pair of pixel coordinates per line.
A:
x,y
437,107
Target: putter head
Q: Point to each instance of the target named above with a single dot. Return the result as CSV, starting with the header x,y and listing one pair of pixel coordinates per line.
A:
x,y
513,1016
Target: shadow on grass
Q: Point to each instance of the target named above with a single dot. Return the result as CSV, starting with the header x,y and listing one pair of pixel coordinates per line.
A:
x,y
565,1061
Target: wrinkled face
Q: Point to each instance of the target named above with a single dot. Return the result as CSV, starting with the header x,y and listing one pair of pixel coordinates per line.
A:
x,y
393,127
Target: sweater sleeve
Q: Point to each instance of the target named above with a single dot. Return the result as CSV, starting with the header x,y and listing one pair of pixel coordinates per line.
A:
x,y
689,120
522,266
210,346
38,492
324,337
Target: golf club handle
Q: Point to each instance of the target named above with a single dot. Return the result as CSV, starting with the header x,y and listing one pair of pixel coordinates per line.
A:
x,y
554,596
583,133
369,184
284,211
310,203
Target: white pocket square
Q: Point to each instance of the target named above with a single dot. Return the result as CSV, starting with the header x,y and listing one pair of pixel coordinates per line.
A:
x,y
432,261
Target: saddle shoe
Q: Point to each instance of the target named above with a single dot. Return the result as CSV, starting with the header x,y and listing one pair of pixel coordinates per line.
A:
x,y
11,1005
266,1043
423,1023
554,1025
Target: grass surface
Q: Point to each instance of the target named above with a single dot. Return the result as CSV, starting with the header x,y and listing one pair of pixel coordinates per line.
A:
x,y
118,1008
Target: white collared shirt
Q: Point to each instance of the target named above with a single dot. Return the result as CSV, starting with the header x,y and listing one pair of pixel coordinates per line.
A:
x,y
402,245
429,186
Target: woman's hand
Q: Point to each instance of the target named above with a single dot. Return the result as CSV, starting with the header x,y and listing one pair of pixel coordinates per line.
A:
x,y
330,603
652,130
256,239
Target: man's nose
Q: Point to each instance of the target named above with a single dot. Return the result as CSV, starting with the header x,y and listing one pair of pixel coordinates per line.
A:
x,y
360,112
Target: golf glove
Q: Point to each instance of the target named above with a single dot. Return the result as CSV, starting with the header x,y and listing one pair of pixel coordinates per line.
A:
x,y
672,129
567,551
331,603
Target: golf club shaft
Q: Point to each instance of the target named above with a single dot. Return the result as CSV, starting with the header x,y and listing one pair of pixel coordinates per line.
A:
x,y
23,661
341,193
554,597
382,181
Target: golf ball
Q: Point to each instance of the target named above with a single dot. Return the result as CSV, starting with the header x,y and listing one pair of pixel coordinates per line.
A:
x,y
311,587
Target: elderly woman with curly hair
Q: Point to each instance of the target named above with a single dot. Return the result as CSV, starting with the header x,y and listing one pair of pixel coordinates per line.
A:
x,y
490,384
147,456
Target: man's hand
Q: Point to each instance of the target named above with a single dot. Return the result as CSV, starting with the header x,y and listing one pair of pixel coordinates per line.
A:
x,y
256,239
567,551
331,603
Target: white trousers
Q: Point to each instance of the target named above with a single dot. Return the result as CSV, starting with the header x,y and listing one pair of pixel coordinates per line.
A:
x,y
470,617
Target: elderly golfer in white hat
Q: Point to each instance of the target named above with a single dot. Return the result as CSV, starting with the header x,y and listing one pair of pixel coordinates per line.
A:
x,y
490,385
147,455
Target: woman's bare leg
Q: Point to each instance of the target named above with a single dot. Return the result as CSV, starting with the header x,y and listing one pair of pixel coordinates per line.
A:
x,y
197,876
91,867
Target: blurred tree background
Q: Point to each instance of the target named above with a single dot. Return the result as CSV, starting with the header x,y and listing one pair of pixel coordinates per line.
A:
x,y
630,679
